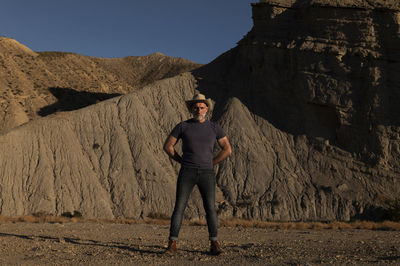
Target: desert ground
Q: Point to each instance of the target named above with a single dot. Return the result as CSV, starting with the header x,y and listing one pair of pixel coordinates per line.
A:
x,y
144,244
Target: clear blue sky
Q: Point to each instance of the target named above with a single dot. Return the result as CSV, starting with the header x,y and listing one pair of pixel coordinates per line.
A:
x,y
196,30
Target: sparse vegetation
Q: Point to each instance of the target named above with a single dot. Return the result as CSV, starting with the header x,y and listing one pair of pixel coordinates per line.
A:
x,y
160,219
157,215
54,54
334,225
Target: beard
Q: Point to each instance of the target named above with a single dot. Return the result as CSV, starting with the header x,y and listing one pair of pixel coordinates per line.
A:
x,y
199,117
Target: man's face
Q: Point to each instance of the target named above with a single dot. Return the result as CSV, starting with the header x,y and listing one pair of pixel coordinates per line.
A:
x,y
199,111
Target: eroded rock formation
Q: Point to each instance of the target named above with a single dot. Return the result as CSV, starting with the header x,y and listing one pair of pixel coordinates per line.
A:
x,y
35,84
309,99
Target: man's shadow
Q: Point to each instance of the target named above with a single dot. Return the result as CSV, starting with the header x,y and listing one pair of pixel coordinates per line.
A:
x,y
142,249
69,99
88,242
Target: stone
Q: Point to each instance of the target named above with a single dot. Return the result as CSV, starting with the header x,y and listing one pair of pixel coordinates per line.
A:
x,y
308,98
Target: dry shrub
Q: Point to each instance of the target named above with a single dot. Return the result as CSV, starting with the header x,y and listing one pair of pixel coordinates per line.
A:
x,y
336,225
159,216
308,225
75,219
363,225
390,226
270,225
286,226
339,225
40,214
260,224
232,222
300,226
154,221
199,222
54,54
27,219
121,221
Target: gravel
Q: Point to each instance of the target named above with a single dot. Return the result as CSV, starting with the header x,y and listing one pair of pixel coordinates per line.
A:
x,y
106,244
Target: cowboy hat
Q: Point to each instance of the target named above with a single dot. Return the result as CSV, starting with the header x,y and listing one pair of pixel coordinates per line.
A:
x,y
199,98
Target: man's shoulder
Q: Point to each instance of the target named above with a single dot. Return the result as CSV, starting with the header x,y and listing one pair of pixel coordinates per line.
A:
x,y
217,129
189,121
184,124
214,124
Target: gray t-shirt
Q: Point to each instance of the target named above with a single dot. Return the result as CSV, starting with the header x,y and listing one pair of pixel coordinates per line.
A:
x,y
198,141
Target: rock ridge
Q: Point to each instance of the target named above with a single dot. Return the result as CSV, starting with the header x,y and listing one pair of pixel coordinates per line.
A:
x,y
34,84
360,4
315,134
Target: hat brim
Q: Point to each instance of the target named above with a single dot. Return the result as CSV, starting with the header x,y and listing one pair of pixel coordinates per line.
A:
x,y
208,102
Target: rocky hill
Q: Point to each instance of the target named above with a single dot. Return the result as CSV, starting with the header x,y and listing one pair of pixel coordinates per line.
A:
x,y
35,84
309,99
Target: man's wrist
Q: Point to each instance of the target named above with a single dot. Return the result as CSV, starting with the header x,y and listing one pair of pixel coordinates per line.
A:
x,y
177,157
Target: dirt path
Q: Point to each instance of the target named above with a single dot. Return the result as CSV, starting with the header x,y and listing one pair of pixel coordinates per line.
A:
x,y
105,244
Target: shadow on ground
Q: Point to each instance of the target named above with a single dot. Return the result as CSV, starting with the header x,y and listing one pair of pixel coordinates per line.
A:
x,y
87,242
69,100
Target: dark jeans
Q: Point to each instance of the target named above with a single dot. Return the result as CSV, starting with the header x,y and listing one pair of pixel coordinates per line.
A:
x,y
205,181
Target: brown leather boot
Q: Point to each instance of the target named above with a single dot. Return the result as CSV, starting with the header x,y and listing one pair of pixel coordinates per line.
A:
x,y
215,248
172,247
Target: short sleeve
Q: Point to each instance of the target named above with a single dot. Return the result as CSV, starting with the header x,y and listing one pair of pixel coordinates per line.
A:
x,y
219,132
177,131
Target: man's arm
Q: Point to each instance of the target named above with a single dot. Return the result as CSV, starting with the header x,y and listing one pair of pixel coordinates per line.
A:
x,y
170,150
226,150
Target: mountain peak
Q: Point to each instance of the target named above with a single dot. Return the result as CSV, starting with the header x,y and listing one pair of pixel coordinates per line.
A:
x,y
8,45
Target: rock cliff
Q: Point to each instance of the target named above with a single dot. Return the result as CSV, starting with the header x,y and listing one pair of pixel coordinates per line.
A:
x,y
309,99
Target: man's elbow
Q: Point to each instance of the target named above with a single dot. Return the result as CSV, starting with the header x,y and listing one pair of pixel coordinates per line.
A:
x,y
166,149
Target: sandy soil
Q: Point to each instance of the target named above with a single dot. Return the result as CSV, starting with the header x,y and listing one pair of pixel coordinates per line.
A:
x,y
104,244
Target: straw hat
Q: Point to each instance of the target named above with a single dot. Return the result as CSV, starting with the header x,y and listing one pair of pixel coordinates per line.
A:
x,y
199,98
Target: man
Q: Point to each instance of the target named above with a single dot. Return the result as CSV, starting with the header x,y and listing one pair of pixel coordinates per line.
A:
x,y
198,138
